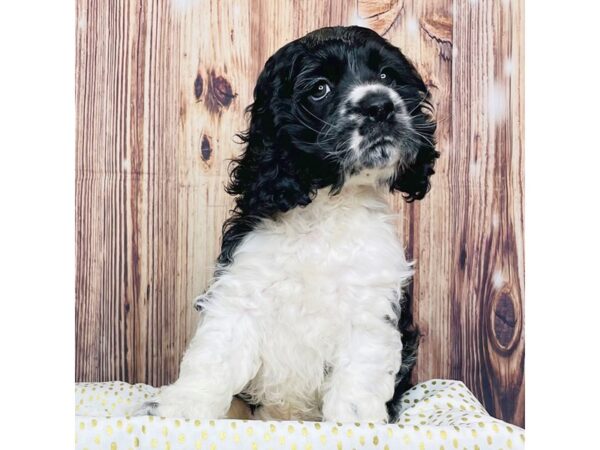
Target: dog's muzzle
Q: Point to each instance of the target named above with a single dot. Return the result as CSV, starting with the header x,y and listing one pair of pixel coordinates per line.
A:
x,y
377,106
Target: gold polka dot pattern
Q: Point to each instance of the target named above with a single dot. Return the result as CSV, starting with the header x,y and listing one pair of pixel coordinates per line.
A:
x,y
437,414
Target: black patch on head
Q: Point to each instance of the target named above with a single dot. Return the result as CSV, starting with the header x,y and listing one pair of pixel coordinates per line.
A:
x,y
297,140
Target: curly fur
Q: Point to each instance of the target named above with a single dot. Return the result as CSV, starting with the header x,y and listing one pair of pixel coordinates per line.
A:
x,y
307,316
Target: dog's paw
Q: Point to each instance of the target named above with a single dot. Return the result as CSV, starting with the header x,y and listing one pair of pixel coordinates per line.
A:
x,y
176,402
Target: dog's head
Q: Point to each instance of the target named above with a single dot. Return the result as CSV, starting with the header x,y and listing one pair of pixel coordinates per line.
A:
x,y
339,106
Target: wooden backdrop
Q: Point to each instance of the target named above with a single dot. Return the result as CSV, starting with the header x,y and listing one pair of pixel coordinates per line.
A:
x,y
161,88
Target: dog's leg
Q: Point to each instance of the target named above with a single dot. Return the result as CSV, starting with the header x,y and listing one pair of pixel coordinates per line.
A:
x,y
220,360
363,376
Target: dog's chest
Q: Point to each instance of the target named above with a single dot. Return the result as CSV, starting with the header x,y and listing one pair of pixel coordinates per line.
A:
x,y
312,275
320,258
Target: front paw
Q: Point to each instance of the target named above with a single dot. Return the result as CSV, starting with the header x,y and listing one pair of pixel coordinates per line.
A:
x,y
178,402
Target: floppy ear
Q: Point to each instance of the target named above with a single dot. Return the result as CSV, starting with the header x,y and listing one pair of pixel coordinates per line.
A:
x,y
271,175
413,179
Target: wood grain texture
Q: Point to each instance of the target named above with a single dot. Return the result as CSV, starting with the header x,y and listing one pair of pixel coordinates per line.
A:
x,y
161,88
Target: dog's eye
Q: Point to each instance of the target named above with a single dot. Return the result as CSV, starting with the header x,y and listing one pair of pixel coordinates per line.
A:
x,y
387,75
320,91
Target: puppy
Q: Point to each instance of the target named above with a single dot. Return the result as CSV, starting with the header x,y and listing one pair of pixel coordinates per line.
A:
x,y
306,316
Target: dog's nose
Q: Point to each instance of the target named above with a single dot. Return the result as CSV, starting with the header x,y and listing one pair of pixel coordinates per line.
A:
x,y
378,107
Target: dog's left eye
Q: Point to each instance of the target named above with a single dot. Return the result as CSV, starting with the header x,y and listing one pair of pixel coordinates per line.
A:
x,y
388,75
320,91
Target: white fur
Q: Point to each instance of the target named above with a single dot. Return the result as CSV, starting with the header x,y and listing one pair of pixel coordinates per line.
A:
x,y
396,152
308,290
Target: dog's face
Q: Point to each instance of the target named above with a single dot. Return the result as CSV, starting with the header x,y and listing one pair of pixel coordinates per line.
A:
x,y
340,105
355,100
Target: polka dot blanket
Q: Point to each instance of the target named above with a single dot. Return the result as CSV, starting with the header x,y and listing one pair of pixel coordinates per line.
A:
x,y
437,414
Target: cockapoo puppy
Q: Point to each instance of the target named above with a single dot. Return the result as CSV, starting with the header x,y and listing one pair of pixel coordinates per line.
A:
x,y
306,317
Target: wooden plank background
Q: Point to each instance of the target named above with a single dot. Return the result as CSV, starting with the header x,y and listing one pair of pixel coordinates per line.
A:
x,y
161,88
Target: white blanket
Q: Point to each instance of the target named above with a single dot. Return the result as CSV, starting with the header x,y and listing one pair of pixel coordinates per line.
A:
x,y
437,414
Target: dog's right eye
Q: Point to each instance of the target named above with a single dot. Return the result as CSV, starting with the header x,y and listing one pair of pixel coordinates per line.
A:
x,y
320,91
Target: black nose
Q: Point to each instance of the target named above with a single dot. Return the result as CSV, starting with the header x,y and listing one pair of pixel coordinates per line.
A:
x,y
377,107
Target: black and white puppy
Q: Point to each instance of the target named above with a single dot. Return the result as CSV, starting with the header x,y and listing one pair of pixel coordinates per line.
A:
x,y
305,317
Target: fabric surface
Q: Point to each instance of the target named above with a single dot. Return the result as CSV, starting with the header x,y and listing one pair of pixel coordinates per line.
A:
x,y
437,414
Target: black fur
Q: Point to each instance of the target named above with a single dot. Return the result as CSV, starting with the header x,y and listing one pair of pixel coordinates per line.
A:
x,y
283,164
410,347
292,149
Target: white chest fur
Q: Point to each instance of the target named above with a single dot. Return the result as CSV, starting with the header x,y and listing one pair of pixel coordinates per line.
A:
x,y
304,283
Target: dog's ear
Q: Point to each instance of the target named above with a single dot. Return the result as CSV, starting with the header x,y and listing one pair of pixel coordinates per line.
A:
x,y
272,175
413,178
